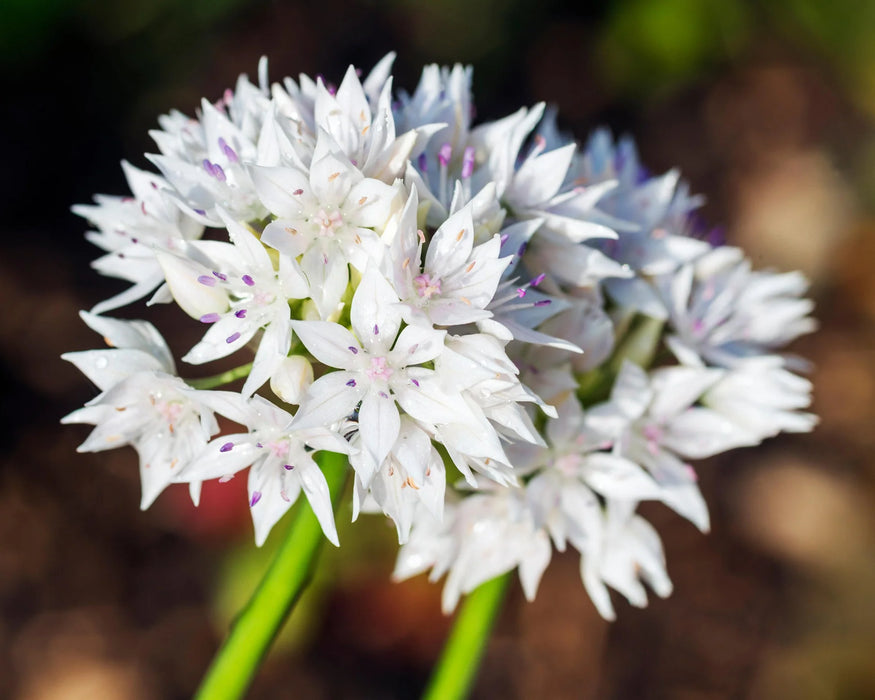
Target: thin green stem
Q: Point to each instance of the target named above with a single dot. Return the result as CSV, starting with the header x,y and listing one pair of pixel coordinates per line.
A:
x,y
255,628
454,673
221,378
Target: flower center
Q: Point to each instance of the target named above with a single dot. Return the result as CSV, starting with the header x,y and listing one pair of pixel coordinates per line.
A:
x,y
328,222
653,436
379,369
426,287
569,464
278,448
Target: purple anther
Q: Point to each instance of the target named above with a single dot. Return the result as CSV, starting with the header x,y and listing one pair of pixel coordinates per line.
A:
x,y
288,467
240,313
226,447
259,445
219,173
444,154
353,349
351,382
468,162
256,497
503,238
208,166
384,395
537,280
520,292
209,318
229,152
422,161
522,249
231,338
354,162
207,280
543,302
298,192
219,275
248,281
200,212
376,329
415,382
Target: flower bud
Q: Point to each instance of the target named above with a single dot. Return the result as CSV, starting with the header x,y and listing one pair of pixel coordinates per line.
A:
x,y
291,381
197,294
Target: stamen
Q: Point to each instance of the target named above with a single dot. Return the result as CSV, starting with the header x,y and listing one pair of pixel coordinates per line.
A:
x,y
415,382
468,162
209,318
256,497
220,276
298,192
520,292
537,280
226,447
444,154
241,313
288,467
422,161
229,152
207,280
231,338
522,249
544,302
353,349
351,382
248,281
376,329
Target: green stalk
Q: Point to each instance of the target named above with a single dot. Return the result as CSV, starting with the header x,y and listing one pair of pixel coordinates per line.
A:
x,y
454,673
255,628
220,379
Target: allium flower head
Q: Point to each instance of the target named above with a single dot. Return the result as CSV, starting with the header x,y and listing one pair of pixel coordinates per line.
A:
x,y
512,338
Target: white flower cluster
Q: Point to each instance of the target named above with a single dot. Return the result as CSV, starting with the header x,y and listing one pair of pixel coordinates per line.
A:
x,y
544,321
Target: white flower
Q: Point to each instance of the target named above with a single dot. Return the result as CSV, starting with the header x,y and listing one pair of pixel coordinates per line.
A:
x,y
762,398
326,218
132,229
457,279
412,475
282,465
481,537
722,311
245,293
378,367
142,403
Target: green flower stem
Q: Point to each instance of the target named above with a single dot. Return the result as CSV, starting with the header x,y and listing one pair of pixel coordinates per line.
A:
x,y
454,674
252,633
220,379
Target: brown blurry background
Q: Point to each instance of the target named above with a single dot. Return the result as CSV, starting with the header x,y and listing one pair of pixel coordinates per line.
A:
x,y
768,109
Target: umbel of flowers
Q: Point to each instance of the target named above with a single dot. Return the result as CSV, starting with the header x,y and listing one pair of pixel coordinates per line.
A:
x,y
514,338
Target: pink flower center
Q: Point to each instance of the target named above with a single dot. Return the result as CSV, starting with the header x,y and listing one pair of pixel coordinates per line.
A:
x,y
278,448
653,436
379,369
426,287
328,222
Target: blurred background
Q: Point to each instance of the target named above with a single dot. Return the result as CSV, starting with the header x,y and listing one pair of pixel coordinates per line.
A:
x,y
767,108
